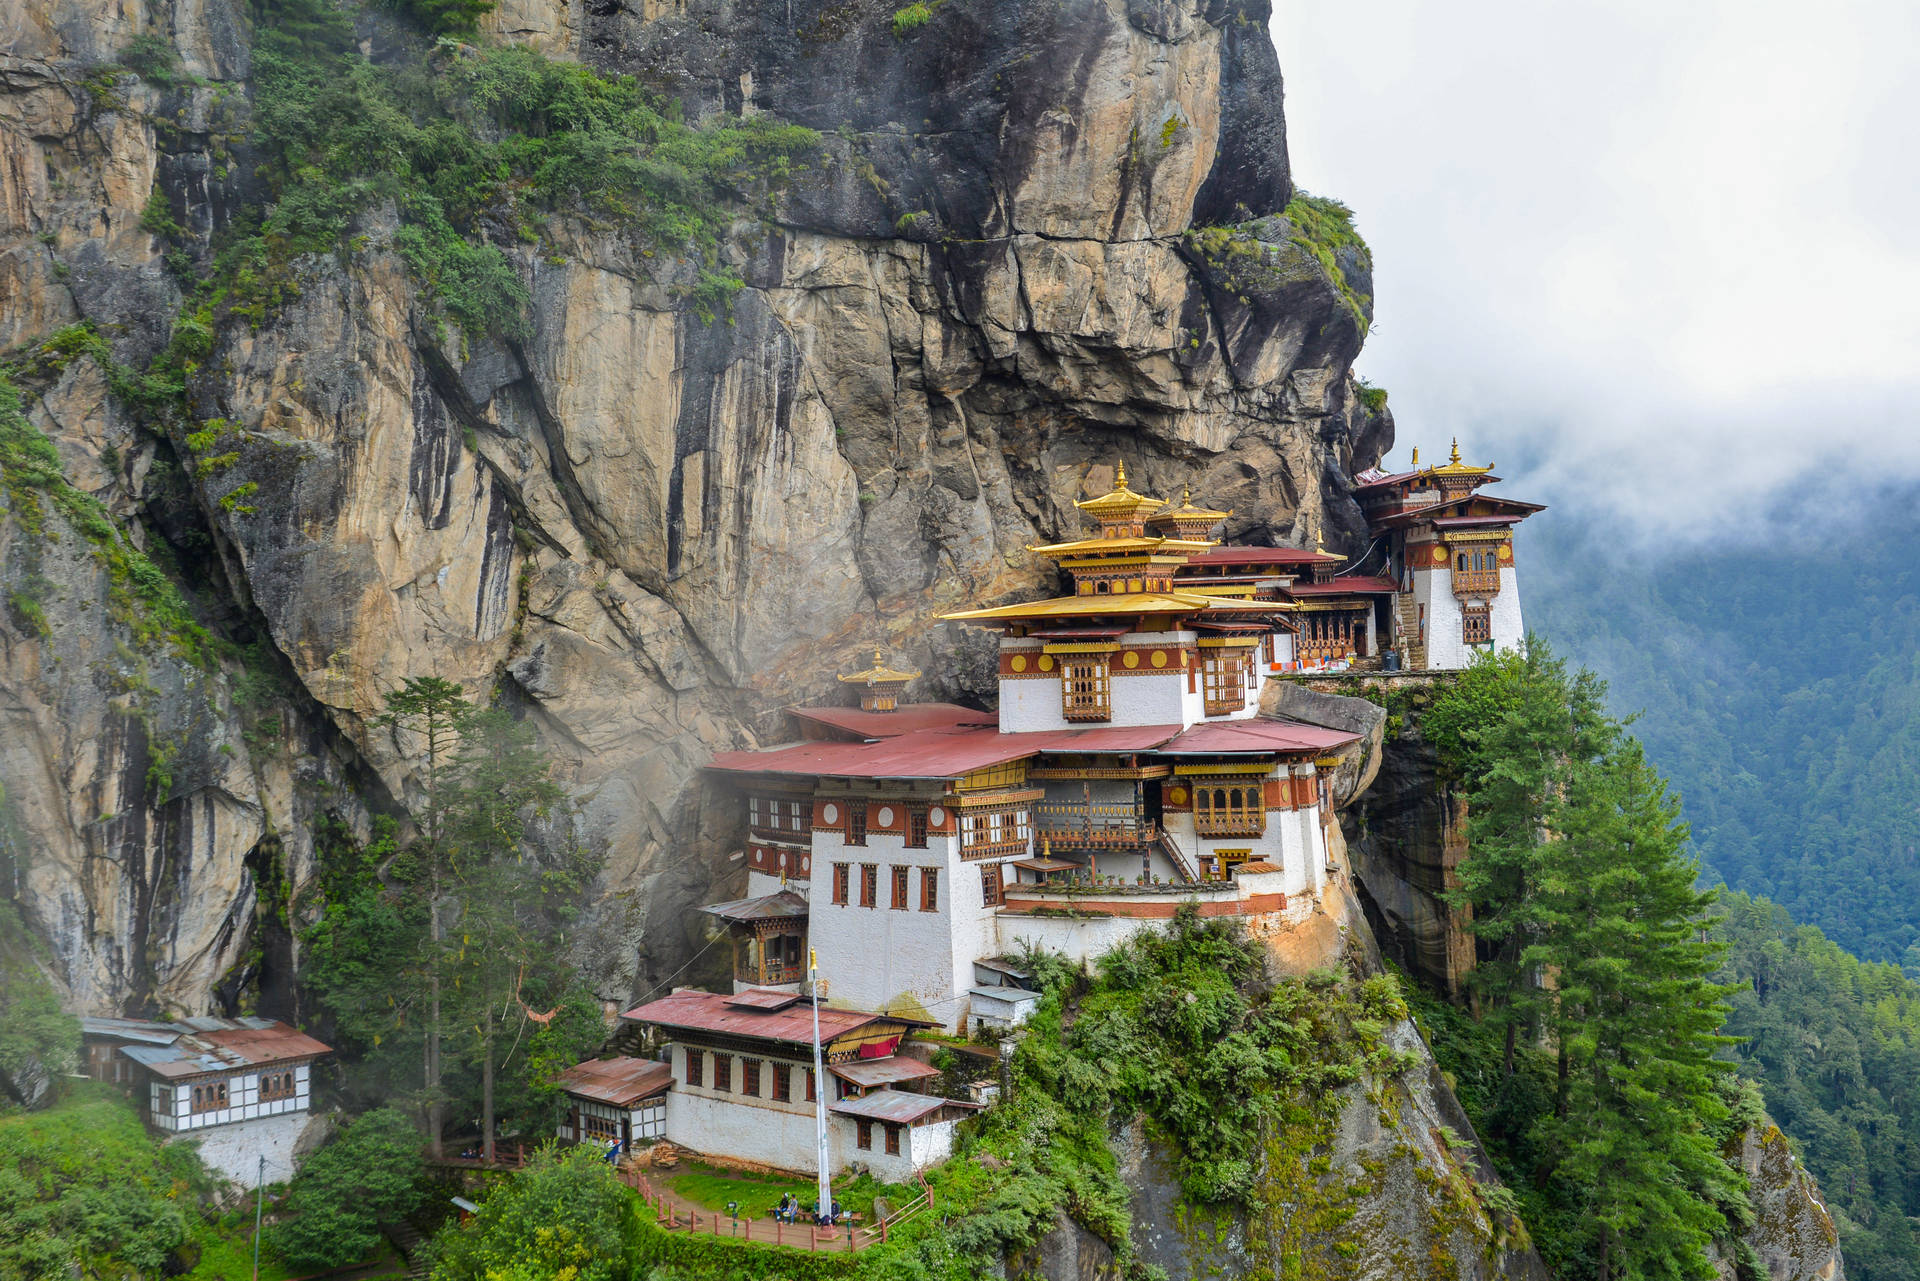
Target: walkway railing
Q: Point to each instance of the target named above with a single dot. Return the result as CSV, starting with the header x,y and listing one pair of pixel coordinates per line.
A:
x,y
677,1214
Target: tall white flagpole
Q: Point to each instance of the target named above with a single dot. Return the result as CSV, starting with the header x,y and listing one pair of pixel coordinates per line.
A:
x,y
819,1084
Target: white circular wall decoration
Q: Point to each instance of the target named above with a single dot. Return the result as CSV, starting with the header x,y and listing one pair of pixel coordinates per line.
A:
x,y
885,817
829,813
937,817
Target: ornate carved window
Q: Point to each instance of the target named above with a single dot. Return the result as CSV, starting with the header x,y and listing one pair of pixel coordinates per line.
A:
x,y
276,1085
899,889
994,833
779,817
1476,626
783,1082
917,828
1086,688
723,1073
750,1077
1223,681
696,1064
856,822
1236,808
992,894
929,889
842,874
869,885
211,1097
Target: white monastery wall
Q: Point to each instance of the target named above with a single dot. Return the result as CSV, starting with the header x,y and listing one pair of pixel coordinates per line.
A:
x,y
235,1150
882,957
1508,628
1446,649
723,1126
1081,940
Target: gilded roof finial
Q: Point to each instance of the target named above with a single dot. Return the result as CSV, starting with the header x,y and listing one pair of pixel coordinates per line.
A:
x,y
1416,456
1120,476
1319,545
1186,495
876,656
1455,460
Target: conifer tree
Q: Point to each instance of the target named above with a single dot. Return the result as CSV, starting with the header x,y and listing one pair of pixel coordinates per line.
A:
x,y
1634,1017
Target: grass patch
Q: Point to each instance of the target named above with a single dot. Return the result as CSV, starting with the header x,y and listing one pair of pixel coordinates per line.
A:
x,y
711,1187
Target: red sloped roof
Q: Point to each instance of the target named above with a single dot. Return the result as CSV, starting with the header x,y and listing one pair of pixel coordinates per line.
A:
x,y
905,719
1255,736
935,753
694,1011
1260,556
619,1082
1357,585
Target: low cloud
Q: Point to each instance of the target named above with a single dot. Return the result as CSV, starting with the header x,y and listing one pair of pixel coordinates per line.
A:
x,y
1661,258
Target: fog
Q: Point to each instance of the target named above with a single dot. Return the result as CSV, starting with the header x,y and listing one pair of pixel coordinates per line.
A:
x,y
1663,257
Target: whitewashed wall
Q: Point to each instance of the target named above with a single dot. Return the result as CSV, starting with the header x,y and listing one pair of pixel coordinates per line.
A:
x,y
171,1105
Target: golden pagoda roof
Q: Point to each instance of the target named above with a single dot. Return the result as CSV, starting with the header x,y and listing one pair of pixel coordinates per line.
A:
x,y
1121,503
1121,547
1093,605
1454,467
1187,511
878,674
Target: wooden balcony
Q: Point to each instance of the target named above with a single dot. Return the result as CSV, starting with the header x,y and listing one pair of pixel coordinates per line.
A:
x,y
1104,825
1476,582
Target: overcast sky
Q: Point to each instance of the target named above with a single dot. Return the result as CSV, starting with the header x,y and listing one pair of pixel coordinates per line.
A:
x,y
1655,250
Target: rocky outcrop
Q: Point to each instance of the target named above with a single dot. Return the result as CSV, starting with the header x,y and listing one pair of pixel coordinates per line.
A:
x,y
1406,835
1395,1185
1792,1237
646,531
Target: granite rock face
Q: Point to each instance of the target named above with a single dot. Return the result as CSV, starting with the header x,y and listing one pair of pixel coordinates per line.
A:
x,y
646,531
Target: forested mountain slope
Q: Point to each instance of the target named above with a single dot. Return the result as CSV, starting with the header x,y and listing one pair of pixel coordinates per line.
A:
x,y
1779,688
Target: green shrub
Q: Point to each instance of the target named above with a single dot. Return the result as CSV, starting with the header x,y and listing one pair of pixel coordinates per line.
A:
x,y
913,17
369,1175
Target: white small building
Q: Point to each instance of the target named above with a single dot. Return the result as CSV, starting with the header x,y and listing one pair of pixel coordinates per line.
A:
x,y
744,1088
623,1099
241,1087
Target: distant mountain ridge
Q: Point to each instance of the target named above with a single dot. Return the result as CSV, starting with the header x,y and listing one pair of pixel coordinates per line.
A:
x,y
1778,686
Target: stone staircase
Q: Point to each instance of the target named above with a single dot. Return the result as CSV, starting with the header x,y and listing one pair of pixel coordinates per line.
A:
x,y
407,1240
1406,619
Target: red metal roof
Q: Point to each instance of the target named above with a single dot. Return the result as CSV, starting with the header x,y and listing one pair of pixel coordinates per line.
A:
x,y
1357,585
896,1106
695,1011
1260,556
870,1072
937,754
1252,737
1475,522
905,719
621,1082
1080,633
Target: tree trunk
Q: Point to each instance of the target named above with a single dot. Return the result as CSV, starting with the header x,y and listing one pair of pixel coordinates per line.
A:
x,y
486,1087
436,1110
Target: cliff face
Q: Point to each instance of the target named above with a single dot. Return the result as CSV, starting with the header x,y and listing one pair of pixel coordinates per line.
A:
x,y
645,530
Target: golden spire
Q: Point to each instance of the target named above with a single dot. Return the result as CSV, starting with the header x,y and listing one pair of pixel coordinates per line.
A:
x,y
1416,457
1120,475
1455,460
1319,544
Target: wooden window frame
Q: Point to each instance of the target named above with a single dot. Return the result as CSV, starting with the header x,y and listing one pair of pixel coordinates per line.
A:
x,y
1086,687
857,823
723,1072
275,1086
899,893
917,828
929,889
893,1137
695,1072
1223,681
1476,627
210,1096
993,892
1235,807
869,885
842,882
750,1077
810,1084
783,1082
863,1133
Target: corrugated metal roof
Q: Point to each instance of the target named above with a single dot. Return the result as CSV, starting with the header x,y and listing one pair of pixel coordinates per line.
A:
x,y
130,1030
618,1081
210,1044
905,719
895,1106
1259,556
1255,737
870,1072
763,998
780,905
694,1011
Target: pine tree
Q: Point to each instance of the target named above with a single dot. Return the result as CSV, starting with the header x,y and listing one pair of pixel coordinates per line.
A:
x,y
1634,1017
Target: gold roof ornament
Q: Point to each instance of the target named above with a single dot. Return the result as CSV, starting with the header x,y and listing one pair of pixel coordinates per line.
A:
x,y
879,673
1187,520
1416,458
1121,505
1454,467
